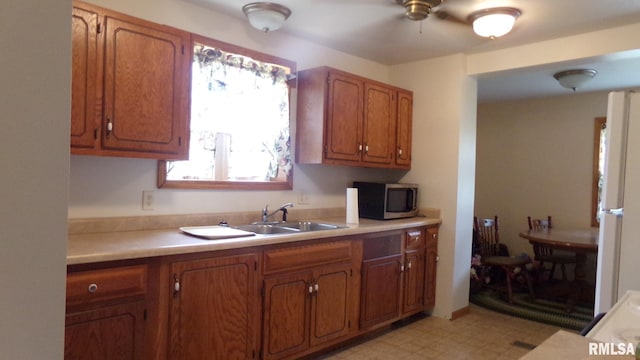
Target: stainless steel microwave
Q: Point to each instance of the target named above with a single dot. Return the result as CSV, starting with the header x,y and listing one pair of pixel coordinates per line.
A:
x,y
385,201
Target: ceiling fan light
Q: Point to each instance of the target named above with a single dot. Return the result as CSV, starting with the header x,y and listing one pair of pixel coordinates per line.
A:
x,y
494,22
266,16
575,78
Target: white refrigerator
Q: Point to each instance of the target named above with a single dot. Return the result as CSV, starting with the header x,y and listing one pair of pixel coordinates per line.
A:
x,y
618,267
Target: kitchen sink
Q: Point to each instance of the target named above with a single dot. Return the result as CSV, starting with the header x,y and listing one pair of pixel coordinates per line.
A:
x,y
308,226
286,227
265,229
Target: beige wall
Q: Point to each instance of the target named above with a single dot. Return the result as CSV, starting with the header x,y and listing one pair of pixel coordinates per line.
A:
x,y
534,157
35,42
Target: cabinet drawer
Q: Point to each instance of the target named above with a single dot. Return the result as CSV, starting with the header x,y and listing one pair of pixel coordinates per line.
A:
x,y
306,256
414,239
106,284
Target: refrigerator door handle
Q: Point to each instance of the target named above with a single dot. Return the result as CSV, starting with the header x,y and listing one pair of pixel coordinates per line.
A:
x,y
619,212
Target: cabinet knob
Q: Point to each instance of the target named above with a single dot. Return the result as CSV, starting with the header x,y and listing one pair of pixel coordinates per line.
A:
x,y
359,147
316,287
399,151
310,289
434,235
366,149
409,265
92,288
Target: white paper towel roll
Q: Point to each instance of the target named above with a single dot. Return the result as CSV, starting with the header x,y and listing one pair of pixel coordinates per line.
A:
x,y
352,206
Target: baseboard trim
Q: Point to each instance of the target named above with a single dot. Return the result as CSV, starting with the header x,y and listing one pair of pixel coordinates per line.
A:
x,y
460,312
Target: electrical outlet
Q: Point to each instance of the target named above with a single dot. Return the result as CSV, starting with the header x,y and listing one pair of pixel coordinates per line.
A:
x,y
147,200
303,199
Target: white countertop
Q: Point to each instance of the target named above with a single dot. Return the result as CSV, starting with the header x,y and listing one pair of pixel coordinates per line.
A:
x,y
621,323
85,248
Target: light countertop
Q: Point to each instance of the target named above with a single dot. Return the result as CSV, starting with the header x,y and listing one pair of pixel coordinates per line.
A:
x,y
89,247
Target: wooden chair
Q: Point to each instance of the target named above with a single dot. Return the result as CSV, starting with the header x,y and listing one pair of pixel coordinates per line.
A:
x,y
544,254
488,245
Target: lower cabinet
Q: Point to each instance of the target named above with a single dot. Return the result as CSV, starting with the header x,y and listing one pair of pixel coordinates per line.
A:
x,y
282,301
110,333
215,308
431,267
306,308
414,271
105,318
380,297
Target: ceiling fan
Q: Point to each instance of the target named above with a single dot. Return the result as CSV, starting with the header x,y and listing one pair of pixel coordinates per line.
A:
x,y
489,22
417,10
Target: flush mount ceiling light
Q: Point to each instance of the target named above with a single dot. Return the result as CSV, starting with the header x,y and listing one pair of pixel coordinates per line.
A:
x,y
573,79
266,16
494,22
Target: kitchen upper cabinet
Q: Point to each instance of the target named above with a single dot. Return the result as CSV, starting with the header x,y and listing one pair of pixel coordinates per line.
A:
x,y
138,106
105,317
310,295
84,77
215,308
345,119
431,267
404,121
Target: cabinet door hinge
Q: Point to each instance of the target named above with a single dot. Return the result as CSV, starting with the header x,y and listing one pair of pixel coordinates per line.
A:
x,y
255,265
95,134
262,292
350,272
182,49
179,140
98,28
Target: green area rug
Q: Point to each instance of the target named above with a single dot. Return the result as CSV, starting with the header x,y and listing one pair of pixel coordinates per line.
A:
x,y
541,310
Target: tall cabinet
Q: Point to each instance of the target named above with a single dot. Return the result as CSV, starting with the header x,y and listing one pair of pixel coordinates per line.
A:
x,y
130,86
345,119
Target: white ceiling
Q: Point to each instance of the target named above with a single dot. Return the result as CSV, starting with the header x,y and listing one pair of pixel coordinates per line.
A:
x,y
377,30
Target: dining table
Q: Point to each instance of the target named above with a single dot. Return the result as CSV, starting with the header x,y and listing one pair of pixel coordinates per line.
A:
x,y
581,242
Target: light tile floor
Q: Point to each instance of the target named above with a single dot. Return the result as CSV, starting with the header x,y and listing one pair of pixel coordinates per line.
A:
x,y
481,334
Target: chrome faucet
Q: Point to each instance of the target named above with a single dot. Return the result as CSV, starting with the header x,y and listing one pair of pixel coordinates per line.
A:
x,y
283,208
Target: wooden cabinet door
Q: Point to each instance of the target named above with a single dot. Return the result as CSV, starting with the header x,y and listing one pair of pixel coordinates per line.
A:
x,y
431,268
146,88
380,297
404,114
287,301
331,303
413,281
84,76
108,333
344,118
215,309
379,129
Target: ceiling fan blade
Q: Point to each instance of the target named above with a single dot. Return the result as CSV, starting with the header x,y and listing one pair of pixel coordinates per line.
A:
x,y
445,15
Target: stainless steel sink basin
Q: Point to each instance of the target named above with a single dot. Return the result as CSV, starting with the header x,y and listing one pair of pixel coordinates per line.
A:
x,y
286,227
308,226
266,229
